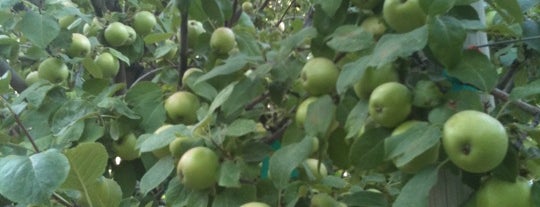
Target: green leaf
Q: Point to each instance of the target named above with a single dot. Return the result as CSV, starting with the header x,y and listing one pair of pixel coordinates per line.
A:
x,y
393,46
232,64
103,192
69,113
157,174
4,82
404,147
156,37
286,159
319,117
367,151
329,7
244,92
39,29
365,198
509,10
476,69
416,191
147,101
117,105
32,180
352,73
157,141
349,38
295,40
535,193
356,119
213,10
119,55
222,96
229,174
88,162
241,127
532,88
446,37
36,93
434,7
177,195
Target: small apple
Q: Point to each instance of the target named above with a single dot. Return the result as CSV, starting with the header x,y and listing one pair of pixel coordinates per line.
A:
x,y
190,72
427,157
366,4
323,200
301,111
31,78
195,29
182,106
474,141
247,7
80,46
144,22
317,171
495,192
132,36
403,15
198,168
374,25
255,204
116,34
374,77
108,64
390,104
53,70
319,76
65,21
180,145
222,40
164,151
93,28
426,94
126,147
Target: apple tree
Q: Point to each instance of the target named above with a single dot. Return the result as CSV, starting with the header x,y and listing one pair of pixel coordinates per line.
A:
x,y
257,103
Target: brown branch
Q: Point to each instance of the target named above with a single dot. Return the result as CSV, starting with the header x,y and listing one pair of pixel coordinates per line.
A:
x,y
278,133
183,46
500,94
263,5
293,2
21,125
256,101
16,81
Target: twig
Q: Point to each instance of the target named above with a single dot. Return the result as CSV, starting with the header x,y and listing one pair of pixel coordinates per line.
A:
x,y
505,42
183,46
256,101
263,5
16,81
19,122
533,110
285,13
61,200
142,77
278,133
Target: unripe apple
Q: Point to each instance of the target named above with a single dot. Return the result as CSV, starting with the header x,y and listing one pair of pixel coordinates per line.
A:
x,y
426,94
180,145
189,72
301,111
222,40
374,77
108,64
93,28
198,168
474,141
374,25
53,70
495,192
126,147
182,106
427,157
31,78
319,76
255,204
132,35
164,151
317,171
171,54
323,200
403,15
366,4
116,34
390,104
65,21
195,29
247,7
80,46
144,22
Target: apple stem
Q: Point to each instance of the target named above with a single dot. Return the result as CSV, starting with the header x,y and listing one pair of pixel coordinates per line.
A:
x,y
466,149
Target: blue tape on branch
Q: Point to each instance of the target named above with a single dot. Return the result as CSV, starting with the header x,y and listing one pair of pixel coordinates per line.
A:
x,y
457,85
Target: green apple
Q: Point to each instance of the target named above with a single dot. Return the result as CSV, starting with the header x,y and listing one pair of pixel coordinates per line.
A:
x,y
93,28
53,70
31,78
222,40
80,46
374,77
474,141
198,168
116,34
427,157
247,7
390,104
180,145
255,204
164,151
126,147
195,29
132,36
144,22
323,200
301,111
65,21
426,94
403,15
182,106
317,171
190,72
319,76
374,25
495,192
108,64
366,4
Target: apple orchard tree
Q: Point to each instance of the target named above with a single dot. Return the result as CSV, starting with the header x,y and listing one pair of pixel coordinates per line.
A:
x,y
257,103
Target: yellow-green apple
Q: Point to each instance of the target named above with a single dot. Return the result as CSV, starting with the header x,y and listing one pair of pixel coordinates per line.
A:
x,y
255,204
319,76
116,34
323,200
126,147
195,29
182,106
390,104
318,171
53,70
403,15
374,77
198,168
144,22
31,78
426,94
374,25
164,151
495,192
108,65
80,45
222,40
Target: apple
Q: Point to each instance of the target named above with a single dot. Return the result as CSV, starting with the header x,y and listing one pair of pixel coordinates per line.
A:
x,y
180,145
427,157
198,168
313,166
323,200
126,147
255,204
182,106
144,22
426,94
319,76
190,72
374,25
65,21
80,45
195,29
116,34
474,141
301,111
31,78
374,77
164,151
247,7
132,36
222,40
390,104
366,4
495,192
108,64
93,28
53,70
403,15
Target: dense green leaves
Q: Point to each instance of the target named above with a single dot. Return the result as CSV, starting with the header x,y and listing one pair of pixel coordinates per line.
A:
x,y
38,28
404,147
350,39
446,37
475,69
416,190
157,174
286,159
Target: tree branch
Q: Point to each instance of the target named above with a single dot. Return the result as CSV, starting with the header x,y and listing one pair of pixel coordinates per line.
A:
x,y
500,94
285,13
183,46
16,81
